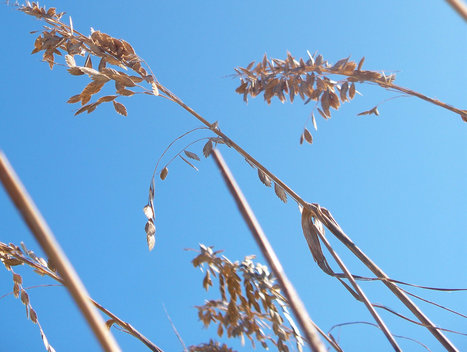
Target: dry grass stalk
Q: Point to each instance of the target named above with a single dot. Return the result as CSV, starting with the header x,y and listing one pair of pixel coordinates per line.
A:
x,y
12,255
60,36
49,244
296,304
460,7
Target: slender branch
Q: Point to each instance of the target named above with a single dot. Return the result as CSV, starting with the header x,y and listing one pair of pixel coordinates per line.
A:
x,y
46,239
289,291
460,7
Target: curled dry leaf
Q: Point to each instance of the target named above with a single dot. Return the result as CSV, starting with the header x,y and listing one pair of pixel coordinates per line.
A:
x,y
280,193
148,211
164,173
310,231
109,323
264,178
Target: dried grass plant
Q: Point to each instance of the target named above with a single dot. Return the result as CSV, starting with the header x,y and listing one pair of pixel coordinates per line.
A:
x,y
245,306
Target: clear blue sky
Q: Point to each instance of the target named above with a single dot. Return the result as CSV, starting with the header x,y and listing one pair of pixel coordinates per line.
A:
x,y
395,183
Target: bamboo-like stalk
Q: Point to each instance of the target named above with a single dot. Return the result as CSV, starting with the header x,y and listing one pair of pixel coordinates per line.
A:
x,y
459,6
49,244
293,299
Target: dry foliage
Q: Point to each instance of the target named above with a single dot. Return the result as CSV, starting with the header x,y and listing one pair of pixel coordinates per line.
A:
x,y
239,312
250,301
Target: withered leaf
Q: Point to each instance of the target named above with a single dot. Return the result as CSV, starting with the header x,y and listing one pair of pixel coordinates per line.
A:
x,y
150,228
313,119
343,91
109,323
88,62
207,149
70,60
75,71
120,108
74,99
322,113
92,88
17,279
85,99
352,91
155,90
82,109
148,211
33,315
264,178
191,155
310,232
374,111
151,239
308,136
360,64
24,297
185,160
102,64
280,193
164,173
106,98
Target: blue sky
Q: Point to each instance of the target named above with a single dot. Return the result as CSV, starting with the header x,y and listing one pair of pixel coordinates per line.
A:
x,y
395,183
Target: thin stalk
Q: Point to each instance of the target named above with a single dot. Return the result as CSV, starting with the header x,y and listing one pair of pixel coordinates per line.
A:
x,y
331,225
124,325
289,291
360,292
460,7
49,244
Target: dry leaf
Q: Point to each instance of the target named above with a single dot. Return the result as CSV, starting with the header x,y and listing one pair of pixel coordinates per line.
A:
x,y
120,108
106,98
207,149
264,178
74,99
88,62
352,91
308,136
313,119
151,239
280,193
310,232
70,60
109,323
185,160
360,64
164,173
191,155
155,90
148,211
